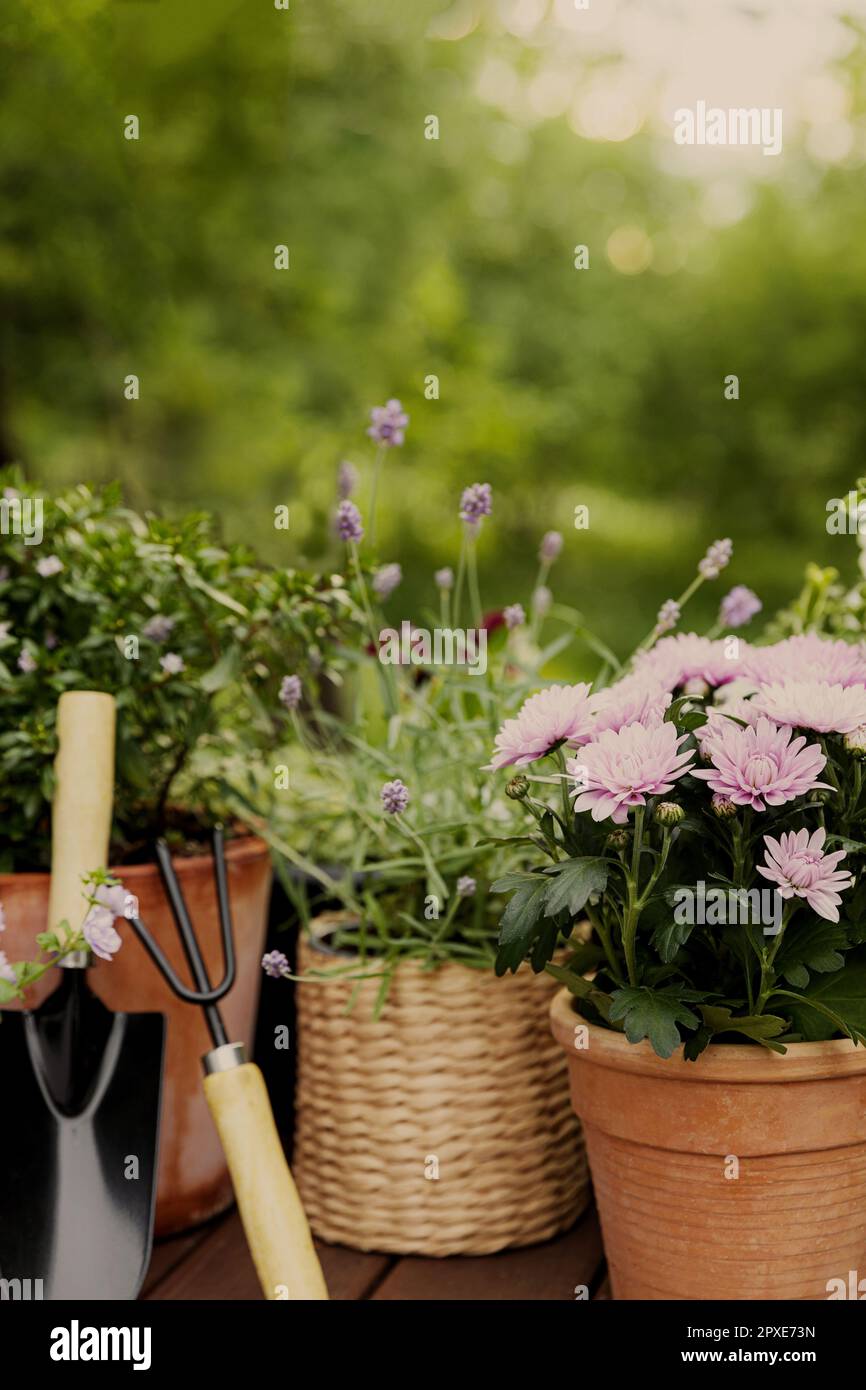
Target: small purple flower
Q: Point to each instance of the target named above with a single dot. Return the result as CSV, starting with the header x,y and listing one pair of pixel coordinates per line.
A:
x,y
51,641
389,423
386,579
26,663
291,691
158,628
275,964
395,797
541,600
476,502
465,886
172,664
7,971
10,493
114,898
668,615
551,545
739,607
99,933
52,564
444,579
514,615
347,480
347,522
716,558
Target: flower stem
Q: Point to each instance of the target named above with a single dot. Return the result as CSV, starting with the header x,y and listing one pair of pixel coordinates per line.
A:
x,y
633,906
374,488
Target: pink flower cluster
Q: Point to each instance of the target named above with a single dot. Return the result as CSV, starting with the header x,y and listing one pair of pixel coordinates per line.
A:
x,y
627,752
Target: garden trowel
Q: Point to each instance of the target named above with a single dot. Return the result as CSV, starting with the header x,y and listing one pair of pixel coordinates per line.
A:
x,y
81,1086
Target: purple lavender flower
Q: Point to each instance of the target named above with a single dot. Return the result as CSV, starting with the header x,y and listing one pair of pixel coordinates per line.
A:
x,y
99,933
291,691
739,607
668,615
476,502
7,971
347,480
395,797
386,579
465,886
275,964
172,664
514,615
389,423
158,628
347,522
551,545
444,578
51,564
26,663
715,559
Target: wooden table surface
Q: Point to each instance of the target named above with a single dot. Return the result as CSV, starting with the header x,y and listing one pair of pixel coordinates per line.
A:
x,y
213,1262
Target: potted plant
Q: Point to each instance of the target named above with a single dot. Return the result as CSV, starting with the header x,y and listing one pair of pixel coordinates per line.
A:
x,y
432,1110
196,641
704,811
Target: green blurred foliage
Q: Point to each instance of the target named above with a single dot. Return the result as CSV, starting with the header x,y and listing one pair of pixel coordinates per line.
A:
x,y
411,257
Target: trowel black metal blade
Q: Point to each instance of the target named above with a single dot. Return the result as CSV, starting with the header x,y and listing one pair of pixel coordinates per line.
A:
x,y
78,1151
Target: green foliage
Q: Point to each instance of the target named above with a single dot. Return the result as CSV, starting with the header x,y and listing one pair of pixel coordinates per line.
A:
x,y
196,703
409,258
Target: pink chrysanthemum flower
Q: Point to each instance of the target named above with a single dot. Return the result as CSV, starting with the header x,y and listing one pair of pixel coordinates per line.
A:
x,y
561,712
799,867
632,700
725,716
687,657
623,767
807,657
761,766
814,704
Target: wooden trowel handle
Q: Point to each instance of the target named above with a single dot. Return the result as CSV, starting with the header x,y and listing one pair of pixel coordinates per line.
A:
x,y
83,794
274,1220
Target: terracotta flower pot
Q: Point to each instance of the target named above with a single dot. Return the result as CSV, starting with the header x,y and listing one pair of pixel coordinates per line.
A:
x,y
193,1179
739,1176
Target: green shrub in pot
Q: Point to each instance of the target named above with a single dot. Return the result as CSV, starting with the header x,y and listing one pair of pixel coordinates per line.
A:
x,y
194,638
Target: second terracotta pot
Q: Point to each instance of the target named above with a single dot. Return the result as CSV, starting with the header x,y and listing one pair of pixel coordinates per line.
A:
x,y
194,1183
739,1176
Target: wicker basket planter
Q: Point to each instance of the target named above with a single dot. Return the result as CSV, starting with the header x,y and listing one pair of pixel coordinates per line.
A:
x,y
458,1077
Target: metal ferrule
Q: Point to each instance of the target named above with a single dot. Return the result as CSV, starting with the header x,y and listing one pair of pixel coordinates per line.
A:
x,y
224,1058
76,960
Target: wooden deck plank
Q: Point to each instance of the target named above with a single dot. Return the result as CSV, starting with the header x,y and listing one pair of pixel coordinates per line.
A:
x,y
538,1272
170,1252
219,1267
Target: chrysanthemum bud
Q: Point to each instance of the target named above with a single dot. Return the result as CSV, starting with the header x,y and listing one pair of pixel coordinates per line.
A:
x,y
619,838
723,806
855,742
518,788
696,686
669,813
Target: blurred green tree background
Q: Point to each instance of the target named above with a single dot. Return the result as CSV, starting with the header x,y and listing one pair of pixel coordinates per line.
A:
x,y
453,257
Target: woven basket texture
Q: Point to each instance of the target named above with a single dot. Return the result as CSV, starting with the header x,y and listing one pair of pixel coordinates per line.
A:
x,y
445,1126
